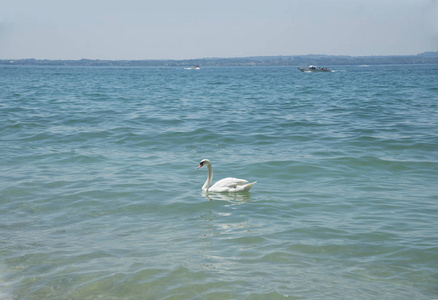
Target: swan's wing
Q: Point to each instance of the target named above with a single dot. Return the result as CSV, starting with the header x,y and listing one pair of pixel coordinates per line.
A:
x,y
245,187
230,184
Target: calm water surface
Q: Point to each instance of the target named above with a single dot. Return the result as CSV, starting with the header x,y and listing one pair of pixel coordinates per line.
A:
x,y
100,197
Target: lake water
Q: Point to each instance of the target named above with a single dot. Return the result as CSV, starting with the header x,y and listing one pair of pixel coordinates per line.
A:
x,y
100,195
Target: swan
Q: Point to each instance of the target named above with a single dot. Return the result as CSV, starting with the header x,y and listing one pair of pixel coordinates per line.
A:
x,y
230,185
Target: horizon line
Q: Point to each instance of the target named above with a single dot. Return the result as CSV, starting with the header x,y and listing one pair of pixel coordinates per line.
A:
x,y
203,58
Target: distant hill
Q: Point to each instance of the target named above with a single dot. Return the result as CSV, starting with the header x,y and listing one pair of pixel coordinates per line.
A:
x,y
297,60
429,54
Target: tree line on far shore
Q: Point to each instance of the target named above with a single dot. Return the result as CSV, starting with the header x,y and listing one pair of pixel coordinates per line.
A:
x,y
301,60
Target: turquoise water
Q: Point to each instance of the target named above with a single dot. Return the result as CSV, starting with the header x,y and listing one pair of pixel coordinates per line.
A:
x,y
100,195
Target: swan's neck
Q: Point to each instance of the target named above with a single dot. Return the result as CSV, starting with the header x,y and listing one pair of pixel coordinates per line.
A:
x,y
209,178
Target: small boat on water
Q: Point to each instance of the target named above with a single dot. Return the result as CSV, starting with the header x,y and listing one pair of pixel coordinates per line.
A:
x,y
193,68
314,69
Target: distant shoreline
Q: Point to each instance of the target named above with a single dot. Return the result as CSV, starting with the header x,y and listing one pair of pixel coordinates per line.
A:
x,y
297,60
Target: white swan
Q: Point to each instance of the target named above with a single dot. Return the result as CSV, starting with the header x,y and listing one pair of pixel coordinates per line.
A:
x,y
230,185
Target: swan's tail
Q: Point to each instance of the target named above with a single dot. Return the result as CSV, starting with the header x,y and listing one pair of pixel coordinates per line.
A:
x,y
248,186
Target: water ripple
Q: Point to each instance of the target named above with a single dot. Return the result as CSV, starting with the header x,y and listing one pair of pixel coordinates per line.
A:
x,y
101,197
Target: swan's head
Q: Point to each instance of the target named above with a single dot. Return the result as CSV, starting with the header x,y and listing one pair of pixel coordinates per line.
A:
x,y
204,162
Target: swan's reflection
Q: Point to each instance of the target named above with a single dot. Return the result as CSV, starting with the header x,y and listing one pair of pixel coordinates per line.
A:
x,y
235,198
223,225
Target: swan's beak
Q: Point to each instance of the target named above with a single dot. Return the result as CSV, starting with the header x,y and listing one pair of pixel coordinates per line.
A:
x,y
200,166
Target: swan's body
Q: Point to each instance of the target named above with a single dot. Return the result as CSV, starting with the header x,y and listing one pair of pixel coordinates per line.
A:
x,y
226,185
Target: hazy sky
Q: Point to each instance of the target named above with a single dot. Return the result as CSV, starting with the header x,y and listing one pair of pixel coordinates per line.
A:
x,y
175,29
